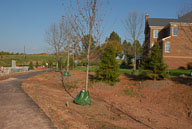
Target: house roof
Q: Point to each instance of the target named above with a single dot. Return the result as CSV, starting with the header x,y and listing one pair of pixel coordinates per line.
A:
x,y
159,21
187,18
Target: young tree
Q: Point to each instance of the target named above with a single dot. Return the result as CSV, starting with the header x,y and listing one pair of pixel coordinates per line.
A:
x,y
134,26
153,66
87,20
55,39
108,67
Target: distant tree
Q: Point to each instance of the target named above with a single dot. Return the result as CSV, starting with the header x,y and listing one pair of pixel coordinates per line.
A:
x,y
85,43
133,24
37,64
114,36
139,48
127,50
55,39
31,65
153,66
108,67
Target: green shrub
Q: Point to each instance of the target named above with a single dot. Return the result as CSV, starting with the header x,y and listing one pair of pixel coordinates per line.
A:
x,y
108,66
31,65
50,64
43,63
37,64
61,63
189,65
153,66
123,64
72,64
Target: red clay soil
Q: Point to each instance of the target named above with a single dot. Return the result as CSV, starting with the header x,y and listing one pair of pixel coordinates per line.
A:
x,y
129,104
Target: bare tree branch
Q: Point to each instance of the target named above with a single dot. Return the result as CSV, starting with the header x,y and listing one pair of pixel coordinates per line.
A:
x,y
86,19
134,27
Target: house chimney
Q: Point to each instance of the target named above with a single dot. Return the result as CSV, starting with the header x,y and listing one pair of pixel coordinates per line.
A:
x,y
146,17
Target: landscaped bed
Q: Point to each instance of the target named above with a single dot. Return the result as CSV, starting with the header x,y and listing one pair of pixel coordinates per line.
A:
x,y
130,103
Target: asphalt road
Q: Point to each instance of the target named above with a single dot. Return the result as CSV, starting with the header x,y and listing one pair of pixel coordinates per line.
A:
x,y
17,110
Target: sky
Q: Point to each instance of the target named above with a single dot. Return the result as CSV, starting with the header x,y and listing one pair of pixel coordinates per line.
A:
x,y
23,22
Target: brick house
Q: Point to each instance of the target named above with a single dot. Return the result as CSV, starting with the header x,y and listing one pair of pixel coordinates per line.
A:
x,y
174,37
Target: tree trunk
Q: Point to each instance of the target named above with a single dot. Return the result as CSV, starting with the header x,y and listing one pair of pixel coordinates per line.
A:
x,y
68,56
88,58
134,65
57,60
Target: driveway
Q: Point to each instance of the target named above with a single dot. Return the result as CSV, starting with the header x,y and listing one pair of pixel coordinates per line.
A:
x,y
17,110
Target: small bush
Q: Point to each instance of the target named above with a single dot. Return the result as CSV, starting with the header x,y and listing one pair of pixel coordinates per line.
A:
x,y
50,64
37,64
108,67
72,64
43,63
61,64
153,66
189,65
123,64
31,65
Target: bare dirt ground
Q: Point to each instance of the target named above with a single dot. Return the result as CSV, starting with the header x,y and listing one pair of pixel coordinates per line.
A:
x,y
129,104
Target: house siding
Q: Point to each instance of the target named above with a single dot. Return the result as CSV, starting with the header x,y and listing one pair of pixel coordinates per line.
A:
x,y
180,45
180,48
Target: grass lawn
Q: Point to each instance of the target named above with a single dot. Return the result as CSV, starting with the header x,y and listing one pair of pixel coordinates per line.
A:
x,y
178,72
94,68
171,72
21,60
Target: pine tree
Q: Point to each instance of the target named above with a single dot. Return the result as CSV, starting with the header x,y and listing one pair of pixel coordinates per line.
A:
x,y
153,66
108,67
114,37
31,65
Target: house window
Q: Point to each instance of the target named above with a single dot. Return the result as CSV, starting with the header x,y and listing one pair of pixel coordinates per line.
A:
x,y
155,33
175,31
167,47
